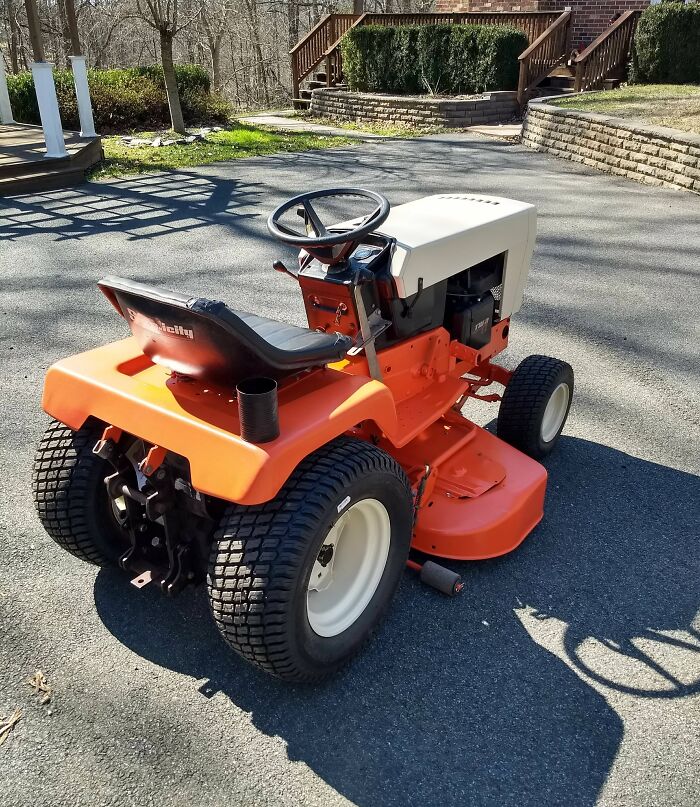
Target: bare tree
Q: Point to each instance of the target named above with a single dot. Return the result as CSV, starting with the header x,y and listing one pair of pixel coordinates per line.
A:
x,y
216,15
243,43
163,17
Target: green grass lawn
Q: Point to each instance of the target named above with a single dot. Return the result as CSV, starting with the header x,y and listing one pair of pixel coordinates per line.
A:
x,y
674,105
239,140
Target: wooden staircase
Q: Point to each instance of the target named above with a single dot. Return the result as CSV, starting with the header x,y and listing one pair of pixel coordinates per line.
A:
x,y
317,58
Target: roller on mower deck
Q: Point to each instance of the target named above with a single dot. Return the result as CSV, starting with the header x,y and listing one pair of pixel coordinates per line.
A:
x,y
294,470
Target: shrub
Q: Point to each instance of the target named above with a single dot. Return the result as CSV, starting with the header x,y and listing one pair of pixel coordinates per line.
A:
x,y
666,47
440,59
124,100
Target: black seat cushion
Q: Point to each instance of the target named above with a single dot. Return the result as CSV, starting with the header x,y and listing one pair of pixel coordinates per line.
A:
x,y
207,340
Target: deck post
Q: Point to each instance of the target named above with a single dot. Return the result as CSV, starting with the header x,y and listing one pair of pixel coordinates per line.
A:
x,y
48,109
82,94
5,106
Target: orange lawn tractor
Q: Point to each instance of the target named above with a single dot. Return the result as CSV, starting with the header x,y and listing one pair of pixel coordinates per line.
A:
x,y
298,471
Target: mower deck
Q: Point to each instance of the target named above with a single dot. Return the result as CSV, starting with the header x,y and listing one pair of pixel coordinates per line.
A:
x,y
480,498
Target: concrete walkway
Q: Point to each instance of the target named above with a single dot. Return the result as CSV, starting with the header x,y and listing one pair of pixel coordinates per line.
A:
x,y
286,122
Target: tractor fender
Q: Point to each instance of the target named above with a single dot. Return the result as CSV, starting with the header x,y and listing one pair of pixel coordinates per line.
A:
x,y
121,387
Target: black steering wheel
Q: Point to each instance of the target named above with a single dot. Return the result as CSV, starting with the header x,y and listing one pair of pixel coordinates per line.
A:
x,y
328,245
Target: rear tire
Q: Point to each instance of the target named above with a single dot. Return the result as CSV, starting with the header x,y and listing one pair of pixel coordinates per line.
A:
x,y
270,562
70,495
535,405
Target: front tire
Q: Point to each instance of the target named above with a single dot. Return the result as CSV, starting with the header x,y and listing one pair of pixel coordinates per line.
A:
x,y
70,494
535,405
296,585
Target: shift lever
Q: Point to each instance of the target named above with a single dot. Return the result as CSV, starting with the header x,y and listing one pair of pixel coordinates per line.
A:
x,y
278,266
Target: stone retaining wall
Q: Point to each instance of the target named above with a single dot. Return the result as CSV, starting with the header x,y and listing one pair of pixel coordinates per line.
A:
x,y
651,154
415,111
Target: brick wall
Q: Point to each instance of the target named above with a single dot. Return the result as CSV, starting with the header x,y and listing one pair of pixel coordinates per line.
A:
x,y
413,111
590,17
650,154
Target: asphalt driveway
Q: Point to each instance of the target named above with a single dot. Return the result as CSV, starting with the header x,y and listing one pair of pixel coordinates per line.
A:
x,y
568,673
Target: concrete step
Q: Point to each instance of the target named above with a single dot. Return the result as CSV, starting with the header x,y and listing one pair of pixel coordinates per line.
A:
x,y
563,71
544,92
561,82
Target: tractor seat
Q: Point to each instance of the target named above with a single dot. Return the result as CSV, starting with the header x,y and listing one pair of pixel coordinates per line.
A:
x,y
207,340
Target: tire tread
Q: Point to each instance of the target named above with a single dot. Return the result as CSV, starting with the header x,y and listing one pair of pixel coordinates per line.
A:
x,y
258,552
524,401
61,485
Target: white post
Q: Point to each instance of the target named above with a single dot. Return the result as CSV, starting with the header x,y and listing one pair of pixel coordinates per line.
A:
x,y
5,107
82,94
48,109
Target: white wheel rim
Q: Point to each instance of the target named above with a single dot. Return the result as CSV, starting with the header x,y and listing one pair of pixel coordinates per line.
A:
x,y
555,412
339,591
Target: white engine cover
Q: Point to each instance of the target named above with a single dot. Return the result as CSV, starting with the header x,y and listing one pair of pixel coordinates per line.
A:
x,y
439,236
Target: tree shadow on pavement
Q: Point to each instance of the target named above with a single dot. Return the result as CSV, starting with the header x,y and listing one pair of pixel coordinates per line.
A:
x,y
453,702
143,207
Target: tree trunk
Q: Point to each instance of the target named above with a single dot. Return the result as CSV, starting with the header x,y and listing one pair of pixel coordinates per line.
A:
x,y
358,6
215,54
68,8
293,8
65,32
166,58
254,27
13,46
34,25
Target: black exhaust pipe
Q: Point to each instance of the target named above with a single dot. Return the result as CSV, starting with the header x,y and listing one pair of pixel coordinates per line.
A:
x,y
257,409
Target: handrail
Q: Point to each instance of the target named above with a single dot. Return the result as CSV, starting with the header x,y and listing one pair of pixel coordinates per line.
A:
x,y
324,19
359,21
560,20
585,54
543,54
310,50
606,54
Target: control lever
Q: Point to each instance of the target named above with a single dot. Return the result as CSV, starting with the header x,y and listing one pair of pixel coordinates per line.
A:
x,y
278,266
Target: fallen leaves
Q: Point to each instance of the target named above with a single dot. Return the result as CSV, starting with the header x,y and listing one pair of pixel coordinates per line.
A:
x,y
41,687
7,724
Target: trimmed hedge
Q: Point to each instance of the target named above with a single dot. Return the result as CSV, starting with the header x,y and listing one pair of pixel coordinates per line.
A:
x,y
666,46
124,100
437,59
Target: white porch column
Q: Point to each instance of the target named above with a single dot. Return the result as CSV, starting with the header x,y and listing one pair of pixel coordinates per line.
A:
x,y
48,109
82,94
5,107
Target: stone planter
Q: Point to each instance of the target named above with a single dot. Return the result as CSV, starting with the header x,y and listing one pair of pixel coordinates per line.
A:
x,y
414,111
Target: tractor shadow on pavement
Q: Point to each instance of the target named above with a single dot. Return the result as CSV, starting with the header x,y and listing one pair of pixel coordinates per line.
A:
x,y
454,702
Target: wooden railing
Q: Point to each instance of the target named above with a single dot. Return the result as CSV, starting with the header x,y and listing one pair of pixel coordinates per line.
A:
x,y
545,53
323,41
311,50
607,55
